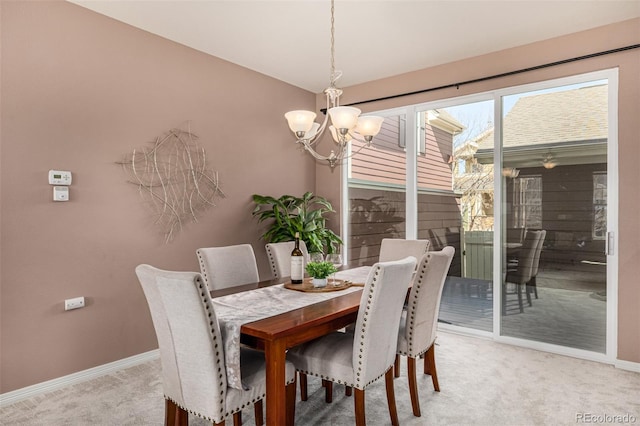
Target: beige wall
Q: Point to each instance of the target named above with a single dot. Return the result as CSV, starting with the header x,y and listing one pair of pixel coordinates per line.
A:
x,y
79,91
610,37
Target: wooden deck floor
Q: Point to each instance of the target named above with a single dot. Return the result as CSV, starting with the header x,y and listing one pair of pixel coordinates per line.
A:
x,y
570,310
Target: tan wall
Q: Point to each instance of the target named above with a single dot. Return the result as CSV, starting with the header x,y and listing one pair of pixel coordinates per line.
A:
x,y
79,91
574,45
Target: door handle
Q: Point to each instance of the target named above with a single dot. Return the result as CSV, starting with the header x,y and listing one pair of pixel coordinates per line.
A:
x,y
608,245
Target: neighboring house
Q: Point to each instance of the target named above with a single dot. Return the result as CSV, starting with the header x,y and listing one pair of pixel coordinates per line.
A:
x,y
554,162
384,161
570,126
474,182
377,177
554,159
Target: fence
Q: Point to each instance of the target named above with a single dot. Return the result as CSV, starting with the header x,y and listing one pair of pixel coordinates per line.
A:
x,y
478,254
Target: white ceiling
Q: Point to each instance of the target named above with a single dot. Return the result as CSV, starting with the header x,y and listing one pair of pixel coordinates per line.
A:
x,y
290,39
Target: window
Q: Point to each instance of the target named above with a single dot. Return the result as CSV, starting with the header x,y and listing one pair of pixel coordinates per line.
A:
x,y
527,202
599,226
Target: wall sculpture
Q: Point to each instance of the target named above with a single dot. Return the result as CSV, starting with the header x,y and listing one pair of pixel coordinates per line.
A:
x,y
174,179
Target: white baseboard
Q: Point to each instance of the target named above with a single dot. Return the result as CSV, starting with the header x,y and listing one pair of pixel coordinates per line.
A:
x,y
560,350
17,395
628,365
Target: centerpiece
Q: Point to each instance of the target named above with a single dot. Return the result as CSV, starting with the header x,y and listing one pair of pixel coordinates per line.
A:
x,y
320,271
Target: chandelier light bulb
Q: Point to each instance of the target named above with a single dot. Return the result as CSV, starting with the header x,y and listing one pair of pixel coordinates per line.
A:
x,y
369,125
300,120
344,117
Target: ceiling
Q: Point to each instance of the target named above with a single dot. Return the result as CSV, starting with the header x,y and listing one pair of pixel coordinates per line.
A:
x,y
290,39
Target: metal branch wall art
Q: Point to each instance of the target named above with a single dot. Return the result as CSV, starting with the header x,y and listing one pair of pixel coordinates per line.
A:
x,y
174,179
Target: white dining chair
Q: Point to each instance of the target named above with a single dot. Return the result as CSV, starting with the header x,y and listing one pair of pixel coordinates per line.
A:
x,y
229,266
360,358
194,376
419,322
397,248
279,255
390,249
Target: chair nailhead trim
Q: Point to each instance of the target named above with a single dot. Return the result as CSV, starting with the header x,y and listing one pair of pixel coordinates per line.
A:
x,y
364,328
414,306
272,259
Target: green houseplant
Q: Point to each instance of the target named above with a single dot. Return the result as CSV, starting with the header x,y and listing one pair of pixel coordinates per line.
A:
x,y
289,214
320,271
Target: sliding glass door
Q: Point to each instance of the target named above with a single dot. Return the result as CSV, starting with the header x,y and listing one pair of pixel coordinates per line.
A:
x,y
455,207
554,158
521,182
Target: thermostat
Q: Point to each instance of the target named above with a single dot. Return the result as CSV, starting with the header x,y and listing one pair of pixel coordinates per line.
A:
x,y
59,177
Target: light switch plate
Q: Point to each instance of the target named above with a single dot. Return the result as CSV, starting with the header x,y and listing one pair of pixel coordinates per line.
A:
x,y
60,193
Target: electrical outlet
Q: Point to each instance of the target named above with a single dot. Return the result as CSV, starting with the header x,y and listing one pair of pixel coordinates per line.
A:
x,y
75,303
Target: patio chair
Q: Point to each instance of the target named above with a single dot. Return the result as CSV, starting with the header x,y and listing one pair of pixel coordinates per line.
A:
x,y
521,275
532,284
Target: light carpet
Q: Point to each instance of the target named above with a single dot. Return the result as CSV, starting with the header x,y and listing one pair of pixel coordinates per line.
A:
x,y
481,382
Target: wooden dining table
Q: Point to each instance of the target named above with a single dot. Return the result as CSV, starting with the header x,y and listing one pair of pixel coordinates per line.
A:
x,y
276,334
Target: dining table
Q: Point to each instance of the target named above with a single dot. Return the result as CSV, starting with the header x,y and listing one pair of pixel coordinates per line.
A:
x,y
268,316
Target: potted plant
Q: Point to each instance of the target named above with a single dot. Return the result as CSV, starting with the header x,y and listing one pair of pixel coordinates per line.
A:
x,y
305,215
320,271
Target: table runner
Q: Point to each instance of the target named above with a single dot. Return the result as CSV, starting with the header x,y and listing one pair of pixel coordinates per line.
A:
x,y
237,309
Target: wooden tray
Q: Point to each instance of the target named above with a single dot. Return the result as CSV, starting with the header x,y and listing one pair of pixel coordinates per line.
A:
x,y
307,286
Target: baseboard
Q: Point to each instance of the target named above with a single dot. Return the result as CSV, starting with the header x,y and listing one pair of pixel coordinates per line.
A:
x,y
627,365
17,395
580,354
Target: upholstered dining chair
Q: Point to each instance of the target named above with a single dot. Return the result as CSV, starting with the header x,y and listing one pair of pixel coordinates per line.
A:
x,y
191,353
419,322
360,358
522,273
532,286
279,255
397,248
390,249
229,266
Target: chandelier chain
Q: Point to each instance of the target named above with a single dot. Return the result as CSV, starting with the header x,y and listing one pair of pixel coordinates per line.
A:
x,y
332,76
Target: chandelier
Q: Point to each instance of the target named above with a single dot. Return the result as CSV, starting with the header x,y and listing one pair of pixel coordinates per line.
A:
x,y
346,122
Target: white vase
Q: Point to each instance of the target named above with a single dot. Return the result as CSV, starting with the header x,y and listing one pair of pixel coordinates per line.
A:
x,y
319,282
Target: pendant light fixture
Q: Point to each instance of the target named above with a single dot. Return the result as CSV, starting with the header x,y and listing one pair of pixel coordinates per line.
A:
x,y
346,122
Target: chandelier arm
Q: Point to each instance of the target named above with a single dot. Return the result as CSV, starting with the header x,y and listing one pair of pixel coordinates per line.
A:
x,y
315,138
366,145
338,158
308,147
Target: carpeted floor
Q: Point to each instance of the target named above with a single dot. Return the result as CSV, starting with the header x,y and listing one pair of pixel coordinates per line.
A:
x,y
481,382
